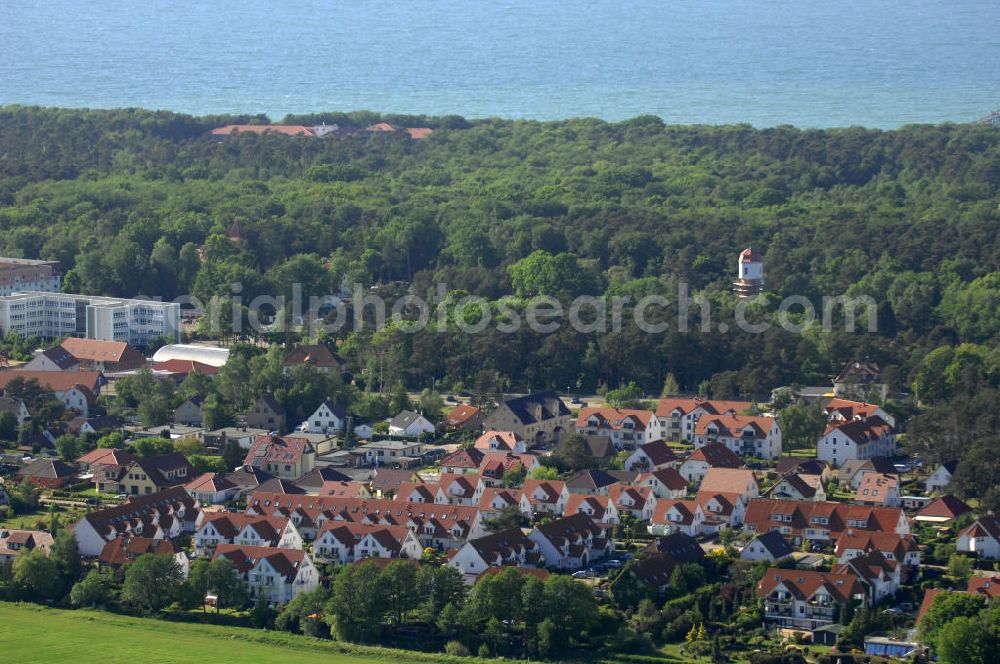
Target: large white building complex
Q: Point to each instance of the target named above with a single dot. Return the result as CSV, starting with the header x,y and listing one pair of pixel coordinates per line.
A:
x,y
23,274
51,315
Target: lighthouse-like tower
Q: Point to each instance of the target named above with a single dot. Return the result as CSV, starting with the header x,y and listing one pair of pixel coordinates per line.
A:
x,y
750,271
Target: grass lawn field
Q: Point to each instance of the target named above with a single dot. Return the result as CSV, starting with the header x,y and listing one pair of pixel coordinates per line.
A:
x,y
33,633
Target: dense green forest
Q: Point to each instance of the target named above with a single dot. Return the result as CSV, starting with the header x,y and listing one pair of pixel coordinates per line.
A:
x,y
134,201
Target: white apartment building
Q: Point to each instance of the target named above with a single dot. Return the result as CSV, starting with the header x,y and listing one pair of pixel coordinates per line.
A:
x,y
52,315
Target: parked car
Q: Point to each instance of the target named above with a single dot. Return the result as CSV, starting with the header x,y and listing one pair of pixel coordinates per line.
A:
x,y
582,574
614,563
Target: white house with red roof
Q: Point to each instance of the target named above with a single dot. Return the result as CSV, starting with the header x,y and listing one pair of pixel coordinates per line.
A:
x,y
878,489
666,483
981,537
679,415
845,410
287,457
345,542
509,547
274,574
882,576
892,546
756,436
712,455
601,509
543,497
245,529
572,541
822,521
637,502
495,500
676,516
856,439
808,600
655,455
501,441
212,489
626,428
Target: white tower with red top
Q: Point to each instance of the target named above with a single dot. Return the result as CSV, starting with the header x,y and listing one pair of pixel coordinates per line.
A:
x,y
750,271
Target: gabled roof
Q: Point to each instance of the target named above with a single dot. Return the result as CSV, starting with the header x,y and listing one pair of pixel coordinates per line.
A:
x,y
122,550
390,479
859,372
838,516
728,480
332,406
57,381
668,477
801,466
143,507
775,544
804,584
60,357
716,455
548,405
579,503
945,507
614,418
47,469
685,405
317,355
876,487
230,524
848,409
590,479
95,350
552,490
268,401
106,456
504,441
213,482
986,525
404,419
279,485
285,562
869,566
466,457
861,431
569,527
11,405
503,544
462,414
867,540
658,452
734,425
248,477
804,485
686,509
317,477
987,586
157,467
277,449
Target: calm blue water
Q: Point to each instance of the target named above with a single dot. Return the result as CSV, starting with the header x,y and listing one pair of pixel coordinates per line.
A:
x,y
881,63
